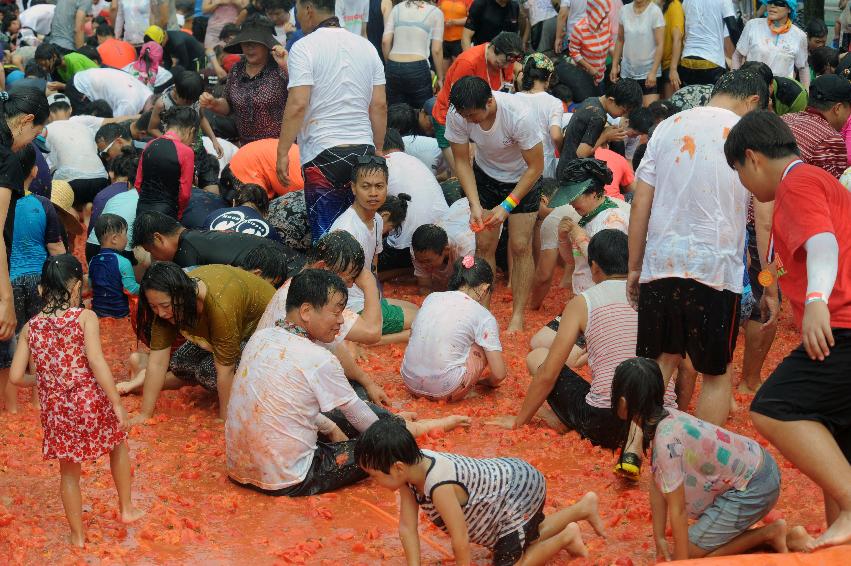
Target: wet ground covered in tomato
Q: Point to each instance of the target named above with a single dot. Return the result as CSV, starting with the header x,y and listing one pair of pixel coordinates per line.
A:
x,y
195,514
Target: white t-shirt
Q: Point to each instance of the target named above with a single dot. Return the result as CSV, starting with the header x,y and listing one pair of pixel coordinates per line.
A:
x,y
547,111
539,10
783,52
427,206
228,149
446,327
577,12
697,220
610,219
73,152
342,70
125,94
499,149
93,123
277,310
426,150
353,14
38,18
639,40
705,29
281,385
370,239
414,25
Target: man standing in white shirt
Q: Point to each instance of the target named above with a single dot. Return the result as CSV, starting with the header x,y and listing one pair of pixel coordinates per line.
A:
x,y
687,240
569,13
336,106
707,40
505,178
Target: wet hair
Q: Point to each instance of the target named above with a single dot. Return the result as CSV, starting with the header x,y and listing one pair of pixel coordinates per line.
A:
x,y
760,69
125,164
429,237
641,120
393,140
581,170
403,117
207,167
180,117
762,131
532,73
24,100
58,273
376,163
661,110
90,52
481,272
228,183
609,249
144,121
26,156
61,105
384,443
315,287
562,92
100,109
104,30
640,382
507,43
167,277
470,93
45,52
108,224
270,261
742,84
626,93
152,222
228,30
816,28
111,132
188,85
548,187
33,69
251,193
397,207
823,59
340,252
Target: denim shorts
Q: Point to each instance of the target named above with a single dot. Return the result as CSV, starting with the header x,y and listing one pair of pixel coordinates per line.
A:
x,y
733,512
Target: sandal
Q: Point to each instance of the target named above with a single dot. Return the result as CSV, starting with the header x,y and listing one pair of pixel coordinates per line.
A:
x,y
629,466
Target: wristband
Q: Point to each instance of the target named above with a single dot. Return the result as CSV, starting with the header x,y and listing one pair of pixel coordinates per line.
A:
x,y
509,203
814,297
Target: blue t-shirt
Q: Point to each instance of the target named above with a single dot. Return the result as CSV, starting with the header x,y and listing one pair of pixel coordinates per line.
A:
x,y
242,219
36,225
110,274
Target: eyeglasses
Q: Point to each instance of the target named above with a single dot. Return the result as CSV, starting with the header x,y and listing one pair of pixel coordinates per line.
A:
x,y
778,3
105,151
510,58
372,160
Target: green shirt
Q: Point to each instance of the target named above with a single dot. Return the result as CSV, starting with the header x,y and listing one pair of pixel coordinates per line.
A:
x,y
789,96
74,63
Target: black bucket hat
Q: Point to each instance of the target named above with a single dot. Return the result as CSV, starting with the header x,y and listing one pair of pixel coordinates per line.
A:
x,y
259,30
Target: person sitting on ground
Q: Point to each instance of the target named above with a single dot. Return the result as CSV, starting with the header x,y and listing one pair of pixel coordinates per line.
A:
x,y
609,325
247,215
363,221
278,438
436,247
723,481
495,502
216,307
114,53
454,339
110,272
167,240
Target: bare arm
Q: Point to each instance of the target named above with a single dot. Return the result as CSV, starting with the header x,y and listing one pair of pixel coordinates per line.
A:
x,y
659,509
218,105
8,319
676,501
367,328
497,364
464,172
55,248
409,512
154,380
763,218
154,122
616,57
20,361
354,373
659,36
79,21
387,44
563,14
378,116
224,380
639,220
437,55
467,38
446,503
676,53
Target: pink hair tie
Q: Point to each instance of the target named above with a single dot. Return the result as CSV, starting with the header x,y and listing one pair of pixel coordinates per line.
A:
x,y
468,261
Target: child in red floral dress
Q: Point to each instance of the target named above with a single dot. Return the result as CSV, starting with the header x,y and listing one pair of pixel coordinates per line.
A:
x,y
81,411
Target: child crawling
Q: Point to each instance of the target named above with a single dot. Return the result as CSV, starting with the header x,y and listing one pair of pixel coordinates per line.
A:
x,y
495,502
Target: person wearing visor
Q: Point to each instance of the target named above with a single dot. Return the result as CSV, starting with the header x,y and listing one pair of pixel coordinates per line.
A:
x,y
775,41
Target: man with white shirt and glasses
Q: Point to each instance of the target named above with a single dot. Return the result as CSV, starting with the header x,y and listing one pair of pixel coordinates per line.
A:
x,y
504,180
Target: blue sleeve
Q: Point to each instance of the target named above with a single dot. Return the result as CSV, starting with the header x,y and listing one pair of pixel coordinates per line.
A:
x,y
52,227
128,278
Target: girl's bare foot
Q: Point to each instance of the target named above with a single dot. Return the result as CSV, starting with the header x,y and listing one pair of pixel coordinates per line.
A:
x,y
572,540
589,506
837,533
132,514
797,539
77,539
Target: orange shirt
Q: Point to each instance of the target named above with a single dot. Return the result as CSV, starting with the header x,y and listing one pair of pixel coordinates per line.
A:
x,y
454,10
471,62
116,53
256,162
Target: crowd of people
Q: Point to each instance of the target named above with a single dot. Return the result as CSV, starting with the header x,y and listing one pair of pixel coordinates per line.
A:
x,y
246,174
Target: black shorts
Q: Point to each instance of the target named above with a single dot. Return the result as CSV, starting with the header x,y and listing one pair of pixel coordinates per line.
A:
x,y
708,76
801,389
567,400
452,49
85,190
684,316
554,326
509,549
645,90
493,192
391,258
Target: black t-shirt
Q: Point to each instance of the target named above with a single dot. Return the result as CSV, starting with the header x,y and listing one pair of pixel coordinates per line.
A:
x,y
188,51
12,178
487,18
585,126
242,219
206,247
200,205
581,84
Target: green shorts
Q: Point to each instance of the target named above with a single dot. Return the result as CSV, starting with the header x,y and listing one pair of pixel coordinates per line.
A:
x,y
440,134
393,318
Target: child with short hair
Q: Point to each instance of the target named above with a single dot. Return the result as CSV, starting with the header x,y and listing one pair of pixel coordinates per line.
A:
x,y
724,481
454,337
495,502
81,411
435,247
110,273
186,91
